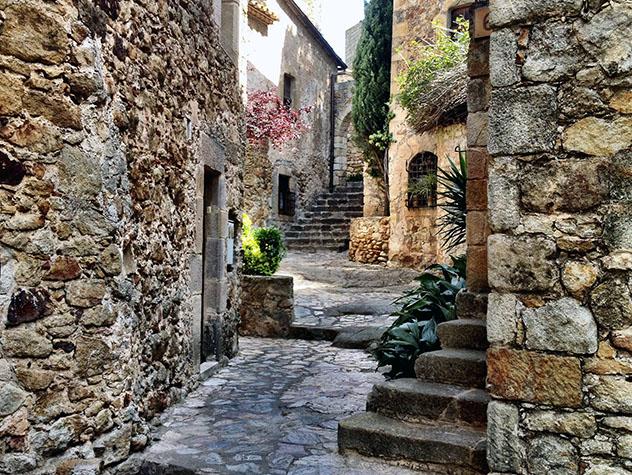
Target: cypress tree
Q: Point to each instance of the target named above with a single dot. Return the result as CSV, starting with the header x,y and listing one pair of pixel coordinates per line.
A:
x,y
372,73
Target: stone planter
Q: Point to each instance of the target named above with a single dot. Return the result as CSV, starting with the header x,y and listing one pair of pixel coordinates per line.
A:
x,y
267,307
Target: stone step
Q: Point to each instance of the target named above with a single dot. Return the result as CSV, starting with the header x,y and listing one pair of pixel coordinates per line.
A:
x,y
412,400
453,366
450,449
313,333
470,305
313,247
467,334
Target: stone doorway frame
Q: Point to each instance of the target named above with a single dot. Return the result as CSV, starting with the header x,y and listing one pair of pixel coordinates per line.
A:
x,y
209,283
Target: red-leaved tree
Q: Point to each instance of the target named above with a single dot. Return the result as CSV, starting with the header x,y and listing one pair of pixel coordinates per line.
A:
x,y
269,120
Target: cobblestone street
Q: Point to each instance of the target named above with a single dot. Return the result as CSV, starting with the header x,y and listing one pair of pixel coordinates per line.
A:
x,y
275,408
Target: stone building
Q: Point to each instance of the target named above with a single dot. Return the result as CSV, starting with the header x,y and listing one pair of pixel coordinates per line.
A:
x,y
549,260
417,153
282,49
121,150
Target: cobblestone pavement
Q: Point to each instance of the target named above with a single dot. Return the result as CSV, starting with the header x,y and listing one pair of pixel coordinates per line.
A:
x,y
332,292
275,408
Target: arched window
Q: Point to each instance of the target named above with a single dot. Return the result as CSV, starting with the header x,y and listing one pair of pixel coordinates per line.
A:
x,y
422,181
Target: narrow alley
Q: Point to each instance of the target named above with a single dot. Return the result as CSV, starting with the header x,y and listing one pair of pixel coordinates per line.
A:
x,y
275,408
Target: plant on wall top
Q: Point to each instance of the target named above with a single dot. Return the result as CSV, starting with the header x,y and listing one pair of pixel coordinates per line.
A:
x,y
268,119
433,86
264,249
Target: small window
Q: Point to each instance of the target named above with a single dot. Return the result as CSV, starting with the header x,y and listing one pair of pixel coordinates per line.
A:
x,y
287,199
422,181
464,13
288,86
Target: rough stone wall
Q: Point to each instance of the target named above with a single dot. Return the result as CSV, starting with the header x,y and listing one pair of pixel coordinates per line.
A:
x,y
368,240
102,110
289,48
267,306
348,157
560,253
414,241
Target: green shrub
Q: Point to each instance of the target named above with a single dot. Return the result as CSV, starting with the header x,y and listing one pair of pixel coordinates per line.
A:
x,y
264,249
422,309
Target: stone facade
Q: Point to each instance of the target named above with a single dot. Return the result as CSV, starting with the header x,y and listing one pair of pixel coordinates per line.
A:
x,y
414,241
120,129
348,157
267,306
368,240
559,317
288,46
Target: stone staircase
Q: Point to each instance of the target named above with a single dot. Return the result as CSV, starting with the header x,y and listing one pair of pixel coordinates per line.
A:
x,y
326,225
435,423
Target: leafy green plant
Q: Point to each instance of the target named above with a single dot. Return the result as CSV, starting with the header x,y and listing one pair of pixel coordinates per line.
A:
x,y
452,224
422,309
448,51
264,249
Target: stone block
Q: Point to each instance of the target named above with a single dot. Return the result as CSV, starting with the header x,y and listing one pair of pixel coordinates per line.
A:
x,y
26,343
503,194
503,48
476,195
553,53
533,377
478,58
564,326
505,449
32,34
622,339
611,302
502,319
611,394
606,36
521,263
267,306
506,12
85,293
579,424
523,120
477,129
11,399
564,185
477,161
477,268
578,277
477,228
552,454
91,356
599,137
478,95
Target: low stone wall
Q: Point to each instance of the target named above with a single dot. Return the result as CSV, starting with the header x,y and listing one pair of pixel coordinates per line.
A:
x,y
368,241
267,307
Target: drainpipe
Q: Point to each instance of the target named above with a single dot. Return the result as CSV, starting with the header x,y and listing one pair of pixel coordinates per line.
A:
x,y
332,128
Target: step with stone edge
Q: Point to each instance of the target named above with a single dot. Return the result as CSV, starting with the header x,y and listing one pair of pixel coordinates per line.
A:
x,y
466,368
467,334
411,400
445,445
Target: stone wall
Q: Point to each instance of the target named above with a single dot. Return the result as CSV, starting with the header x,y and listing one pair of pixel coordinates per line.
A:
x,y
368,242
560,253
110,113
267,307
414,241
348,157
288,47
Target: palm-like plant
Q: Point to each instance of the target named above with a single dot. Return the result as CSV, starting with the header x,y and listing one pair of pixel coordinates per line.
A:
x,y
422,309
453,191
